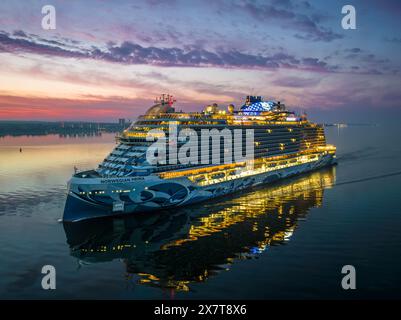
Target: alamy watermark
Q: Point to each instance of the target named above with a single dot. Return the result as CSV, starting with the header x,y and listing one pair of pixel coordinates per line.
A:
x,y
49,280
49,20
186,147
349,20
349,280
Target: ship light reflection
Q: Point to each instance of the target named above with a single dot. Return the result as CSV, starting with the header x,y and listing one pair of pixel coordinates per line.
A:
x,y
174,250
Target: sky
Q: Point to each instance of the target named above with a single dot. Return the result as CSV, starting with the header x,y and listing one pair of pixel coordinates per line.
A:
x,y
110,59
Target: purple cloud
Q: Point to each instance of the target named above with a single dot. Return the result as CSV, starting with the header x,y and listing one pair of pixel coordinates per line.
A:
x,y
285,13
132,53
10,43
295,82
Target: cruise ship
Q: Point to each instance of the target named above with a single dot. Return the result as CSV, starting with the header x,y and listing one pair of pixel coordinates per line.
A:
x,y
137,177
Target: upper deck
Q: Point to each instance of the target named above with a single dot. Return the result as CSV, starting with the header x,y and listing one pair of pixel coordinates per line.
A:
x,y
275,132
254,112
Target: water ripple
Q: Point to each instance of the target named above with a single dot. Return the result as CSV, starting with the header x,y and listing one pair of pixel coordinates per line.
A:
x,y
22,200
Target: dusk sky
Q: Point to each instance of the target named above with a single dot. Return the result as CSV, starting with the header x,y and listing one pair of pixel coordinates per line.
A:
x,y
109,59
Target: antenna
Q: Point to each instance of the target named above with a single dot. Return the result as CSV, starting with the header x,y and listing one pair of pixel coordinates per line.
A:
x,y
165,99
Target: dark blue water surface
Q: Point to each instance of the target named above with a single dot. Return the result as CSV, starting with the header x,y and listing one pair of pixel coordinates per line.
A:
x,y
286,240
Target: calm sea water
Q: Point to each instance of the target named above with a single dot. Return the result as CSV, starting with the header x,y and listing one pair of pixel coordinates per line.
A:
x,y
286,240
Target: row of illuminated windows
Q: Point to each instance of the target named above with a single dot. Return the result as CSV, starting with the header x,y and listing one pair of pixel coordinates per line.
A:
x,y
104,192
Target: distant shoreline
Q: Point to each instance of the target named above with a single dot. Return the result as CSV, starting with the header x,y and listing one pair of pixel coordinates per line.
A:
x,y
62,128
343,125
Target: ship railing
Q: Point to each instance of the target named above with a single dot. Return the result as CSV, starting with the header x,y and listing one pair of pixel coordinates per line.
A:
x,y
302,157
263,169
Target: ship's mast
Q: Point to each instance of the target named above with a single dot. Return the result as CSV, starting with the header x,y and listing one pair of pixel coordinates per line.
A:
x,y
165,99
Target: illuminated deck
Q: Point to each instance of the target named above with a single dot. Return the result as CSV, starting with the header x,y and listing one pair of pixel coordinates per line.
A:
x,y
205,176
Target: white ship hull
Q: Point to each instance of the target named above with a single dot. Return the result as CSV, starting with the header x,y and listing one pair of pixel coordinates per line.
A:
x,y
100,197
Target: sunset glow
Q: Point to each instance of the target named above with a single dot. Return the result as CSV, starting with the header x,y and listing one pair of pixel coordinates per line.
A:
x,y
109,60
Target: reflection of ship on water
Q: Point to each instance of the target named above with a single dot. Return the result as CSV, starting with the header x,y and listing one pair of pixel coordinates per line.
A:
x,y
173,249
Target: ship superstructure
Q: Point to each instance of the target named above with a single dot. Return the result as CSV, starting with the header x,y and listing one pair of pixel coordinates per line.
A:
x,y
283,143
